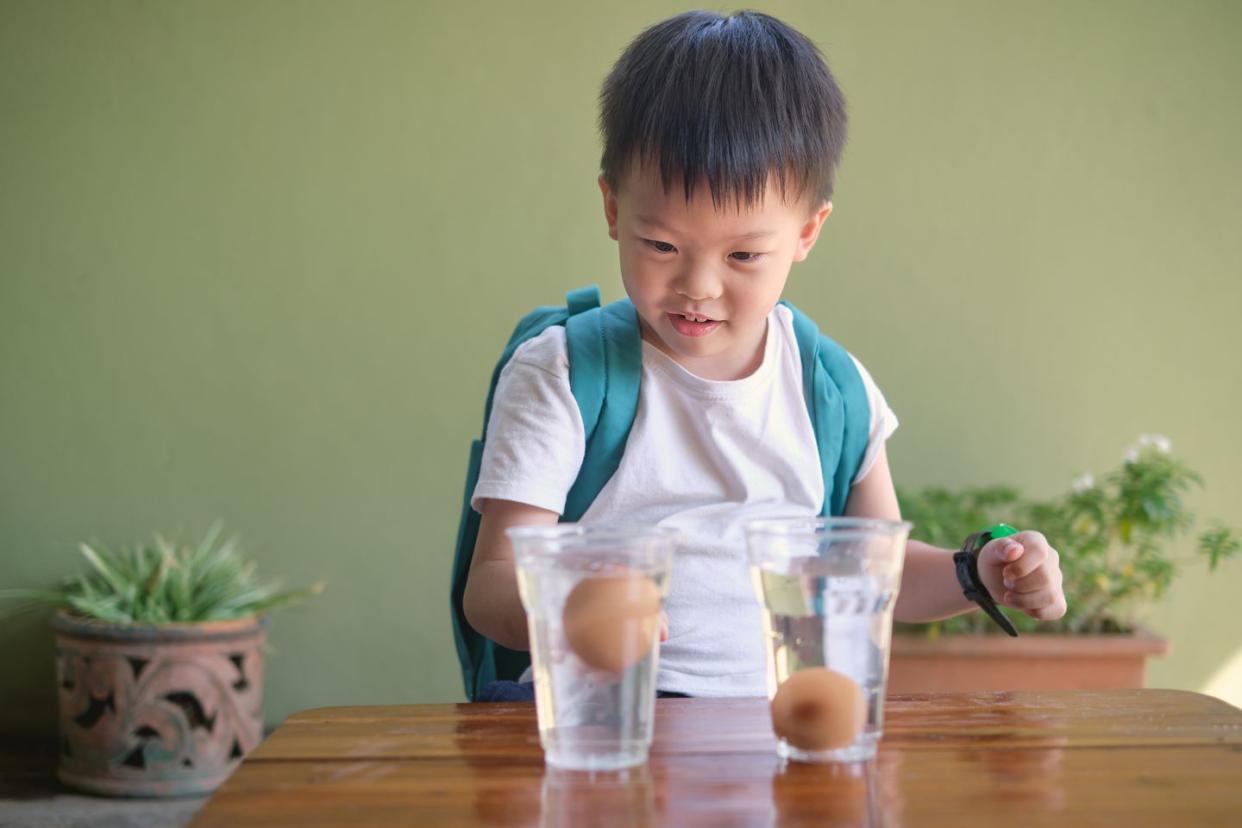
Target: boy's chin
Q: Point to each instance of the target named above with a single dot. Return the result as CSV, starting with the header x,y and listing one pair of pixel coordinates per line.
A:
x,y
691,351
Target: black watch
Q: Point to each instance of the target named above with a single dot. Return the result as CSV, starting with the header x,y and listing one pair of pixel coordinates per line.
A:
x,y
966,562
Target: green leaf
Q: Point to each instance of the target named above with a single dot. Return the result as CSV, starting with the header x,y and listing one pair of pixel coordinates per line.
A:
x,y
1218,544
116,579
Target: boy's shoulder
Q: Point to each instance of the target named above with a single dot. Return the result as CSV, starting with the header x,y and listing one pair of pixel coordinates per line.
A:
x,y
547,350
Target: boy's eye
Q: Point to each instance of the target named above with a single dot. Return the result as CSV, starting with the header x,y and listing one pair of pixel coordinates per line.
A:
x,y
659,246
747,257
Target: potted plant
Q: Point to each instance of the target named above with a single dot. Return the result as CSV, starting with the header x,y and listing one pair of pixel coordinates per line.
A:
x,y
1116,536
159,665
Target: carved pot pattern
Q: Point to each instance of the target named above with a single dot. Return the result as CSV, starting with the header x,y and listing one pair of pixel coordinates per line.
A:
x,y
163,710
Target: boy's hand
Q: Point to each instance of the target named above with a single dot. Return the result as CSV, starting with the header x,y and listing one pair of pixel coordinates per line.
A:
x,y
663,628
1022,571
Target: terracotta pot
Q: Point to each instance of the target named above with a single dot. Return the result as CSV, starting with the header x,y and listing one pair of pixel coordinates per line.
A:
x,y
163,710
962,663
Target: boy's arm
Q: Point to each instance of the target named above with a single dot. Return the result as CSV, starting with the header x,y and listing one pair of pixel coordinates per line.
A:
x,y
929,588
492,603
1021,571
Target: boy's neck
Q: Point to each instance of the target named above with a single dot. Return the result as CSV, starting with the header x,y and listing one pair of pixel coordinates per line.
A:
x,y
717,368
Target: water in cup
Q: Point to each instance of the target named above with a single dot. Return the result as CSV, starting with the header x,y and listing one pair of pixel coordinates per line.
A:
x,y
827,587
593,598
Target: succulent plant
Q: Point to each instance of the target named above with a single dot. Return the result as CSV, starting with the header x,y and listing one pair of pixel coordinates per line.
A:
x,y
161,582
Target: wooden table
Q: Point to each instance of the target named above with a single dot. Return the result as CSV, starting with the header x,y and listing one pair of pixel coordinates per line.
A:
x,y
1066,758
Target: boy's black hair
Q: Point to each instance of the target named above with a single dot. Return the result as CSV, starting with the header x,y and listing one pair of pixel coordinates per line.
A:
x,y
726,100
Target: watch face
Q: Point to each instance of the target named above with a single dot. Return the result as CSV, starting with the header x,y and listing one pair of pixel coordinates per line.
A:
x,y
1000,530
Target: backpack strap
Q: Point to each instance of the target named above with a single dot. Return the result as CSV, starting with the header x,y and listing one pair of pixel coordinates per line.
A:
x,y
582,300
605,369
836,400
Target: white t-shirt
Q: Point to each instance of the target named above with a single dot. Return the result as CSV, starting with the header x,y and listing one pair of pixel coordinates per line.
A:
x,y
704,457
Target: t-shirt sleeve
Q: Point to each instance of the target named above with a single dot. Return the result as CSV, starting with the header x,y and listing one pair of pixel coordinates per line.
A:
x,y
535,440
883,422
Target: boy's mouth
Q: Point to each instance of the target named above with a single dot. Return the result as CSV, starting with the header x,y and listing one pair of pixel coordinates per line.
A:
x,y
692,324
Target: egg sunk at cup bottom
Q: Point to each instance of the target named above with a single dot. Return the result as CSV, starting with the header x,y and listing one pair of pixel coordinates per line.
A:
x,y
819,709
611,622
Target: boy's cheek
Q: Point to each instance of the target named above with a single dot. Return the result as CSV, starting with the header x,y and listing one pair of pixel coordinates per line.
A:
x,y
644,288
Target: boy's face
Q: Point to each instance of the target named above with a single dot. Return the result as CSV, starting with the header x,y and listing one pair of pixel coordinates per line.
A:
x,y
702,281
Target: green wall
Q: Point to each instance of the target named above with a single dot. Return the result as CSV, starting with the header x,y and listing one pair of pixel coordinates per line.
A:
x,y
257,259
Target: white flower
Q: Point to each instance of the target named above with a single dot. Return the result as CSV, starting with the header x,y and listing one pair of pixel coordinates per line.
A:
x,y
1158,442
1161,443
1083,483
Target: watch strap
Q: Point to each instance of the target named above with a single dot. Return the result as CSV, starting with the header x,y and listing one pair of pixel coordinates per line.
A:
x,y
966,563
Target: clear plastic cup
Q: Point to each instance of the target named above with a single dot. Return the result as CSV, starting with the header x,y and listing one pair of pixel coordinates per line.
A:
x,y
827,587
593,597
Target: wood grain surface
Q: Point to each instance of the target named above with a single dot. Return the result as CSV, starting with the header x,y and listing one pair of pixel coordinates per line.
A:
x,y
1132,757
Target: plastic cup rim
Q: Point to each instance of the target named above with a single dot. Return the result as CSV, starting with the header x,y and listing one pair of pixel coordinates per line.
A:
x,y
561,531
835,526
533,543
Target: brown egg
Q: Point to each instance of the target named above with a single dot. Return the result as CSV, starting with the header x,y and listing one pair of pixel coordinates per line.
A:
x,y
611,621
818,709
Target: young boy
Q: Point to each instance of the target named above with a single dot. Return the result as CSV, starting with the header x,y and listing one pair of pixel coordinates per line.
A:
x,y
721,139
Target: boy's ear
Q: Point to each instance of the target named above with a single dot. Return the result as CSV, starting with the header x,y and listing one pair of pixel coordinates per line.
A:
x,y
810,230
610,207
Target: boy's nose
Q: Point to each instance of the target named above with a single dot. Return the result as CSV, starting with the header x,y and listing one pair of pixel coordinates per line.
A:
x,y
698,284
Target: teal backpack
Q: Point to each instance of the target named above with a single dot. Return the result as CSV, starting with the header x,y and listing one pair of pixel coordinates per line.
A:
x,y
605,369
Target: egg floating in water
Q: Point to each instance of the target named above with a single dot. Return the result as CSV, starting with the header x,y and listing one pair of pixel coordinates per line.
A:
x,y
610,622
819,709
